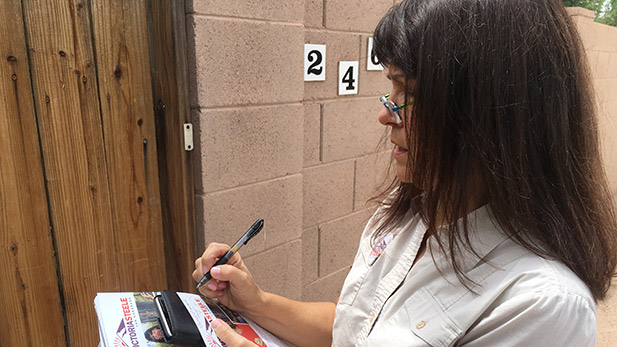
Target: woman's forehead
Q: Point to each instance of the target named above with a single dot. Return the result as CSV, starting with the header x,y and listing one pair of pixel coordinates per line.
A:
x,y
397,76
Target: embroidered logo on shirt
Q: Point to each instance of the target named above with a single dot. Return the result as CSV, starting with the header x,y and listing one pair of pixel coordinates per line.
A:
x,y
379,247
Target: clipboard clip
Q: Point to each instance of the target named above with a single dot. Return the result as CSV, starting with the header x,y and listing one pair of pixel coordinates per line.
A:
x,y
164,320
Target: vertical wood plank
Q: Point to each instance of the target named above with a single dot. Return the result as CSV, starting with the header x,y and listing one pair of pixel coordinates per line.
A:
x,y
103,190
123,65
66,95
29,294
167,32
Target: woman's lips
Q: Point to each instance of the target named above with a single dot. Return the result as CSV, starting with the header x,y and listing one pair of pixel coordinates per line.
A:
x,y
399,152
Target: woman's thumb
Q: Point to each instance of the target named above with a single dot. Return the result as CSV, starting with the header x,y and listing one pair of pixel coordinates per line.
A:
x,y
231,338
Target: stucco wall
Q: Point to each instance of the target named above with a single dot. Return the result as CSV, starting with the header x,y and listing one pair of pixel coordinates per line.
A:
x,y
600,43
601,46
272,146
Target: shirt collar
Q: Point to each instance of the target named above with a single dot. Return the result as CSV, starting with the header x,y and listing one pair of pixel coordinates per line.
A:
x,y
484,236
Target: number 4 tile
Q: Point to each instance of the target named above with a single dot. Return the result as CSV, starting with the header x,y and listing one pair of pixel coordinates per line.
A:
x,y
347,77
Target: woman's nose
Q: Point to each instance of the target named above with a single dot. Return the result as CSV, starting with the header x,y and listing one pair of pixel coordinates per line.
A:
x,y
387,118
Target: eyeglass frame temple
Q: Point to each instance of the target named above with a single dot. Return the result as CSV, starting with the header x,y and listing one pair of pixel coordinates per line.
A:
x,y
396,107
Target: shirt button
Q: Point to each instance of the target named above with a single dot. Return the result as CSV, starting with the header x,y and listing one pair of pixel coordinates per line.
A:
x,y
421,324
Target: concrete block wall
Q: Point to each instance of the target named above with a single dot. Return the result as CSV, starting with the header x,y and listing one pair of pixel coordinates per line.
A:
x,y
247,99
600,43
343,158
269,145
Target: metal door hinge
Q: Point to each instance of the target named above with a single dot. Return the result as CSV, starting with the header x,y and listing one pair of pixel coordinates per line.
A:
x,y
188,137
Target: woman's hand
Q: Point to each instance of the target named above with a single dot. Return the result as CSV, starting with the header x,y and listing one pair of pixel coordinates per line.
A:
x,y
232,284
231,338
300,323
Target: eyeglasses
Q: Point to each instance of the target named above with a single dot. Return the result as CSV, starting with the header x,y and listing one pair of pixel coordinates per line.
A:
x,y
393,108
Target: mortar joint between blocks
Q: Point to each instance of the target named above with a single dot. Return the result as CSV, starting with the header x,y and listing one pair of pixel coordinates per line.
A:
x,y
321,131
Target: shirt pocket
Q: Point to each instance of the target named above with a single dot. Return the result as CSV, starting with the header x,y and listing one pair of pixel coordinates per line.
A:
x,y
429,321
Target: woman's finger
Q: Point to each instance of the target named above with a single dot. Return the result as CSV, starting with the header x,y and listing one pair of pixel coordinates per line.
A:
x,y
231,338
228,273
209,293
213,252
198,272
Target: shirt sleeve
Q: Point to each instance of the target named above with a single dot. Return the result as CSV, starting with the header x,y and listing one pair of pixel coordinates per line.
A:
x,y
536,319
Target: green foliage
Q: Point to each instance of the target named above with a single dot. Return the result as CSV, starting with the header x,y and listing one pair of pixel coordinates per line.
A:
x,y
605,10
588,4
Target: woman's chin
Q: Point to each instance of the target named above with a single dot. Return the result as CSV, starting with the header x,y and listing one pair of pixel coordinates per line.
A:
x,y
401,173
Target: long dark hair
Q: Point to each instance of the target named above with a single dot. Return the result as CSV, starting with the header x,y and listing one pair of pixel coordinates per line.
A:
x,y
502,105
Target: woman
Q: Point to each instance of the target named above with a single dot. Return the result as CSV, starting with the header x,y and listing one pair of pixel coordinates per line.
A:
x,y
500,229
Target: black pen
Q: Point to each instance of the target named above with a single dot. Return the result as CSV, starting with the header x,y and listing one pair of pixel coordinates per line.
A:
x,y
253,230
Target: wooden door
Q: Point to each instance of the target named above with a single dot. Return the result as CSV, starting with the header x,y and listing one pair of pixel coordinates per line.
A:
x,y
80,191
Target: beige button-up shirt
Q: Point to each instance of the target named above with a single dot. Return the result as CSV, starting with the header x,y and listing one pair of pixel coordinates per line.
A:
x,y
520,299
